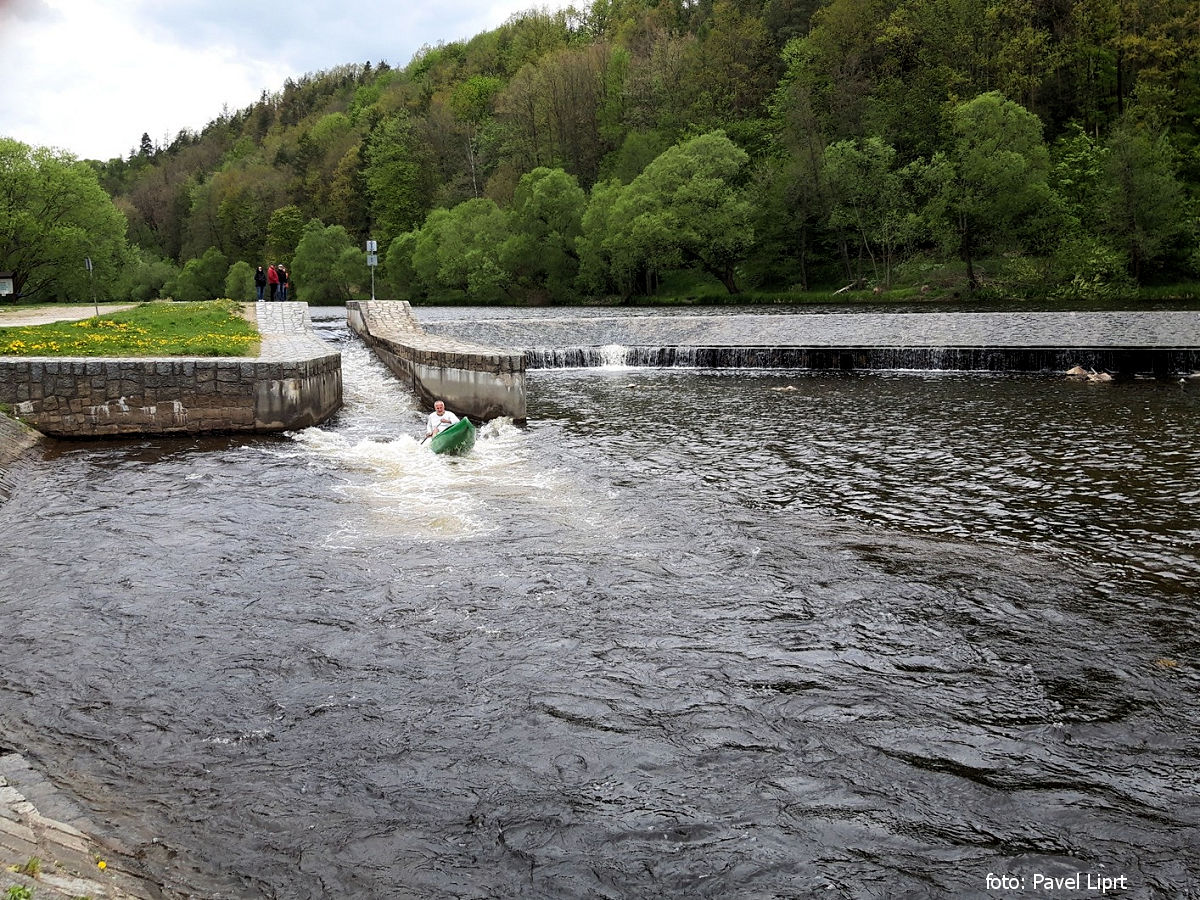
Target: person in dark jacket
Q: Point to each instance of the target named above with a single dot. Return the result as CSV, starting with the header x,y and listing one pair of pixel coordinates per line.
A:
x,y
283,282
260,282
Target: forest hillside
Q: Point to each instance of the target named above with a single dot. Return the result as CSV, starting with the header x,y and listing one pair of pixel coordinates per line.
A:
x,y
638,148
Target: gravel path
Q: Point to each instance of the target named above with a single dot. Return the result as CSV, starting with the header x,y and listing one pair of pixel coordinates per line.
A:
x,y
43,315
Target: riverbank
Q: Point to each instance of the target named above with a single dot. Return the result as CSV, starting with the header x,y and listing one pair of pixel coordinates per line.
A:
x,y
47,844
15,439
294,382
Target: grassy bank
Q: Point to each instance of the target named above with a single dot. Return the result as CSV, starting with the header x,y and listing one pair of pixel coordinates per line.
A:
x,y
215,328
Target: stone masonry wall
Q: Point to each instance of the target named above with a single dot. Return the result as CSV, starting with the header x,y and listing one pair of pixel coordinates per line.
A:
x,y
481,382
295,382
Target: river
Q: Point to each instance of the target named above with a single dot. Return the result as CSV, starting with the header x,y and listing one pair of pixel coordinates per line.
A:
x,y
687,634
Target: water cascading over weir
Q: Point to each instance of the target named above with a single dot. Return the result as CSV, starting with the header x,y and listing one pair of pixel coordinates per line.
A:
x,y
1127,343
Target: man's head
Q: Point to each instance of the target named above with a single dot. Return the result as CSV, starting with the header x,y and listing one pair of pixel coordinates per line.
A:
x,y
439,407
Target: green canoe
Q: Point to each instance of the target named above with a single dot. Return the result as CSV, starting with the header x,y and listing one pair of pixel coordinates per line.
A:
x,y
458,438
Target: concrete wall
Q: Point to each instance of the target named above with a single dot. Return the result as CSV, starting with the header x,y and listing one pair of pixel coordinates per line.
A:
x,y
473,380
295,382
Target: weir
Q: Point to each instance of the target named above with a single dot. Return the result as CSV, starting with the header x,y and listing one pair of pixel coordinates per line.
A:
x,y
1135,361
1127,343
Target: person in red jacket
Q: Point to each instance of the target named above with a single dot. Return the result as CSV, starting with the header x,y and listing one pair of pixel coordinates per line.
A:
x,y
272,280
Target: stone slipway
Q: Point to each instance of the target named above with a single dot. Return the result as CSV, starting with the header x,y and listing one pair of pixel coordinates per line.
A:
x,y
478,381
295,382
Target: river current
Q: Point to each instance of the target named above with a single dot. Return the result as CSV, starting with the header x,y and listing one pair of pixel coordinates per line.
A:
x,y
686,634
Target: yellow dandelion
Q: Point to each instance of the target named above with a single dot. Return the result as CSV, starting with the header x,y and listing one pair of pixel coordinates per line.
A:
x,y
101,864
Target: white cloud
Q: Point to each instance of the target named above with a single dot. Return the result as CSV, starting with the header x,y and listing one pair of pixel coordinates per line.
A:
x,y
91,80
91,76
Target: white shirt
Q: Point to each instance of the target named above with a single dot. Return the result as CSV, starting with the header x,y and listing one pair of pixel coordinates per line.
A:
x,y
438,423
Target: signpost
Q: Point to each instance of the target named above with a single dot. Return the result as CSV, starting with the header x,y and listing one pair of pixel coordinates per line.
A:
x,y
372,262
87,264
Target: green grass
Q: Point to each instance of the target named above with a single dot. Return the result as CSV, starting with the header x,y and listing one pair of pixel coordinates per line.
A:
x,y
214,328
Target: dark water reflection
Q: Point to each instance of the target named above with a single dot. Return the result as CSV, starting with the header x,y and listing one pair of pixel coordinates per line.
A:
x,y
687,635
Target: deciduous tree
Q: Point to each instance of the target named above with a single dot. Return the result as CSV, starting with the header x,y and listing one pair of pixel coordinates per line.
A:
x,y
545,219
996,174
685,210
1143,199
327,267
53,214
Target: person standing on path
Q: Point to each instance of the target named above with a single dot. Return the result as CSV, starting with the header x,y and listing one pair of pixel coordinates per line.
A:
x,y
260,283
272,280
283,282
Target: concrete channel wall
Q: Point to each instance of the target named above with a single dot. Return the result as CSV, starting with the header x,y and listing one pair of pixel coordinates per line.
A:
x,y
294,382
473,380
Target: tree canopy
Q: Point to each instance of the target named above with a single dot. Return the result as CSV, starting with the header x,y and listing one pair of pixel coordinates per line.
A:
x,y
769,144
53,215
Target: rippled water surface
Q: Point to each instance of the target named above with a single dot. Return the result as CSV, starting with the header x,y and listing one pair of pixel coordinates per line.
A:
x,y
687,634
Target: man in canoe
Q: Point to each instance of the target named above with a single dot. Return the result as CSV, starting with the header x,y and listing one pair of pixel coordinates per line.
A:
x,y
440,419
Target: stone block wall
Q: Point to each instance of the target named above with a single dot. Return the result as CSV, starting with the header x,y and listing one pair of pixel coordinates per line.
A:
x,y
474,380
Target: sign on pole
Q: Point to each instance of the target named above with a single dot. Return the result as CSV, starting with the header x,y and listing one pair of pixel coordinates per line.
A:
x,y
87,264
372,262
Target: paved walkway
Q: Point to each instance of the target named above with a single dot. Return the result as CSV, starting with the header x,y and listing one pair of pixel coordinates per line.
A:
x,y
44,315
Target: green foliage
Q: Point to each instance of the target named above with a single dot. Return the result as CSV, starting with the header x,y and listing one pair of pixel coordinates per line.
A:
x,y
398,271
147,276
545,221
53,214
396,178
1144,202
31,867
684,210
239,282
18,892
604,91
327,268
597,276
201,279
457,253
283,234
994,178
637,150
1084,267
874,203
471,100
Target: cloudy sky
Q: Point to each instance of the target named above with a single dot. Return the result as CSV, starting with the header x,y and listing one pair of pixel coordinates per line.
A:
x,y
90,76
